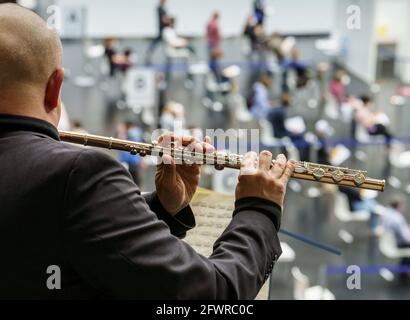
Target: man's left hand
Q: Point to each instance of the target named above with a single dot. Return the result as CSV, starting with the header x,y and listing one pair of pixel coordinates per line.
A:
x,y
176,184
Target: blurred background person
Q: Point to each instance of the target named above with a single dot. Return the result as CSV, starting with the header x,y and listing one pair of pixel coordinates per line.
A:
x,y
301,68
337,88
110,53
174,41
215,65
78,127
376,123
259,9
163,21
173,118
117,61
274,44
131,132
257,39
394,221
277,117
260,103
322,131
213,33
358,201
249,31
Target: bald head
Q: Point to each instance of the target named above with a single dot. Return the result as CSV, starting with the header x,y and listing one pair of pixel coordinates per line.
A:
x,y
29,51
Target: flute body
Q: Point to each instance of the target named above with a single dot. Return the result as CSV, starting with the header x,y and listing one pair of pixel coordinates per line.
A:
x,y
304,170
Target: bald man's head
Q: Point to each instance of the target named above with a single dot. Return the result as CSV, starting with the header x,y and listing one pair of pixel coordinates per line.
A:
x,y
29,51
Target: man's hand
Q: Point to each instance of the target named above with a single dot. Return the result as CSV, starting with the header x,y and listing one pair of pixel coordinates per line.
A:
x,y
176,184
258,179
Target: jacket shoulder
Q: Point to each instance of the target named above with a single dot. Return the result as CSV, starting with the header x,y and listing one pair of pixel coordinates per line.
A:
x,y
73,156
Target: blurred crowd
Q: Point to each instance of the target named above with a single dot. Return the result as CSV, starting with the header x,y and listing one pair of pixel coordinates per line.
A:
x,y
275,61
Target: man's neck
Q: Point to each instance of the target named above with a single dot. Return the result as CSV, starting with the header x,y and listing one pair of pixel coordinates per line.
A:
x,y
24,102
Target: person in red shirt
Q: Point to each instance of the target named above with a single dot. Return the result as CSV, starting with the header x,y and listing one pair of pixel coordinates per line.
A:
x,y
213,33
337,88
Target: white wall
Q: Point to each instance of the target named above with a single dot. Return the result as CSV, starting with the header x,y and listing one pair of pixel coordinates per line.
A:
x,y
360,44
393,17
137,18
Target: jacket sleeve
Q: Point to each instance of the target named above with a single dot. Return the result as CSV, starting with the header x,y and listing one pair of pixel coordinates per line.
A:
x,y
117,244
178,224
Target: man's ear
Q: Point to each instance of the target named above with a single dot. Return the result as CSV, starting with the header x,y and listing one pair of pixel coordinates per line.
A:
x,y
53,90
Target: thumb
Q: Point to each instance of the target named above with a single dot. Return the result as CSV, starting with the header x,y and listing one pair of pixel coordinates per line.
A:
x,y
169,169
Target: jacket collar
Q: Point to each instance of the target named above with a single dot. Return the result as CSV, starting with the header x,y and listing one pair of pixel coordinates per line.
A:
x,y
12,123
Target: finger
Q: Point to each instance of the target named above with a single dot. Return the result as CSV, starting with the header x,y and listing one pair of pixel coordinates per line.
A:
x,y
172,140
279,166
208,147
265,160
187,140
201,147
287,174
168,140
167,170
195,153
249,163
166,137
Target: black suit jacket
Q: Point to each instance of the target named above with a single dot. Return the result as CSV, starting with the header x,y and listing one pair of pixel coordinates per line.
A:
x,y
78,209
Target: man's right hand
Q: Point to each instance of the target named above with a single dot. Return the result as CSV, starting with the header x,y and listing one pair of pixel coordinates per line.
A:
x,y
258,179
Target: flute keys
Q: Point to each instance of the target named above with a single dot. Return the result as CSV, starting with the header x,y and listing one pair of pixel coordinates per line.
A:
x,y
359,179
300,170
338,176
318,173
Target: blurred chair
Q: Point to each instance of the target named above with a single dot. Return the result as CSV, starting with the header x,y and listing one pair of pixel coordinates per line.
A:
x,y
269,141
241,111
331,108
291,79
363,136
388,246
266,134
398,156
302,291
288,254
96,52
343,212
177,53
181,57
339,155
215,92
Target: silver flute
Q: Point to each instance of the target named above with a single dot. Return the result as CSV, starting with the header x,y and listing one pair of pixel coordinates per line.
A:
x,y
304,170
